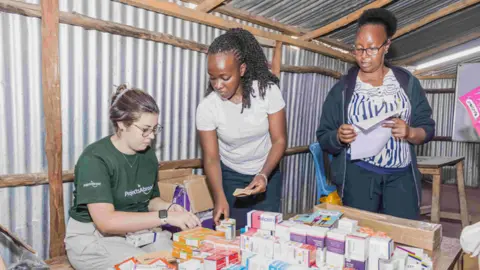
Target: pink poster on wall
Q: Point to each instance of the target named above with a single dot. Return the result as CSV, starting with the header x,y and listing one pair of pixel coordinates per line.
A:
x,y
471,102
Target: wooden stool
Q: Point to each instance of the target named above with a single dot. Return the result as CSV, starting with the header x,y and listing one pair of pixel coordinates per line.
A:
x,y
433,166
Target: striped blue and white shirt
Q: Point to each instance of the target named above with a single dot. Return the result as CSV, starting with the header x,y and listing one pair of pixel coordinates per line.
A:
x,y
369,101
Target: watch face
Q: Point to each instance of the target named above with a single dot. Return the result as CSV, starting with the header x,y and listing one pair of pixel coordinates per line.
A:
x,y
162,214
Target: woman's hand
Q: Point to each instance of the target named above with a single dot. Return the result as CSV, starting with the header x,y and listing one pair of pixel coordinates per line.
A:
x,y
221,208
346,134
258,184
183,220
400,129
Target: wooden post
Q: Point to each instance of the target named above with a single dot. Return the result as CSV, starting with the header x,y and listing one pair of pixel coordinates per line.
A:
x,y
436,192
53,122
462,196
277,59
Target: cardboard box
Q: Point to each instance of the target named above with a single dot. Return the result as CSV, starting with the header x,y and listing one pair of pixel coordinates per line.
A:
x,y
196,188
409,232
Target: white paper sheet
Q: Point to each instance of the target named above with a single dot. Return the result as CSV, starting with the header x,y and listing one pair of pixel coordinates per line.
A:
x,y
370,143
370,123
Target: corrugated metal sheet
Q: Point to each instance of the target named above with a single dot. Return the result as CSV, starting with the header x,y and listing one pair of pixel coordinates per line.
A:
x,y
406,11
308,14
443,107
451,67
304,95
91,64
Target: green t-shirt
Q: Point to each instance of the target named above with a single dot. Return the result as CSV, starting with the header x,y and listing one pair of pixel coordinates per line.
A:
x,y
105,175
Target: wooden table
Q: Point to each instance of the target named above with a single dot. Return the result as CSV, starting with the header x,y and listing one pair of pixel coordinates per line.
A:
x,y
451,255
433,166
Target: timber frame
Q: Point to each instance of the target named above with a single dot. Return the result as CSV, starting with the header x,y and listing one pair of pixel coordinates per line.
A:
x,y
51,17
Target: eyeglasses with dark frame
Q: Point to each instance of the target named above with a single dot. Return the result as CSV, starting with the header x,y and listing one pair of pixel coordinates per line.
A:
x,y
370,51
147,131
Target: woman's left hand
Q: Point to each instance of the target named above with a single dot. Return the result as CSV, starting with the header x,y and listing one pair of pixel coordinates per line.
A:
x,y
176,208
400,128
258,185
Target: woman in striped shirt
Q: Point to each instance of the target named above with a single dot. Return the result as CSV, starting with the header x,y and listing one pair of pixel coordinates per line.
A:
x,y
388,182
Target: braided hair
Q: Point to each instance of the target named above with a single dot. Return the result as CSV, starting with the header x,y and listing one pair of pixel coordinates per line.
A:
x,y
246,50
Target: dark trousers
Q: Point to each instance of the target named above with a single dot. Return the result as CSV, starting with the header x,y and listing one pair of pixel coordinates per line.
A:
x,y
392,194
239,207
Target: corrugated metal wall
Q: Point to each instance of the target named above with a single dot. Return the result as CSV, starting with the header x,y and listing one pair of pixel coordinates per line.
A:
x,y
91,64
443,107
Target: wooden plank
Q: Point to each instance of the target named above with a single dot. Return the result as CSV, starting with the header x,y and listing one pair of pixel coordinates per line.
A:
x,y
277,59
209,5
436,188
256,19
53,122
31,179
181,164
440,91
89,23
169,174
429,171
343,21
450,251
442,139
311,69
272,24
297,150
437,49
462,196
437,162
435,16
67,176
175,10
443,214
17,240
436,77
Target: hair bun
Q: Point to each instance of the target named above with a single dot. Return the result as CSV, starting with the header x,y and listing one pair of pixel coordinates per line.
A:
x,y
379,16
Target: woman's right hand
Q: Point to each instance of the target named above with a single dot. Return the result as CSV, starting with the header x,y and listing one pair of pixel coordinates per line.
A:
x,y
221,207
183,220
346,134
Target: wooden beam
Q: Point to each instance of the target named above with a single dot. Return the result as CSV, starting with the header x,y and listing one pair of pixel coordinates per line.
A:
x,y
209,5
440,91
277,59
53,122
272,24
441,48
436,77
435,16
17,180
175,10
343,21
89,23
311,69
256,19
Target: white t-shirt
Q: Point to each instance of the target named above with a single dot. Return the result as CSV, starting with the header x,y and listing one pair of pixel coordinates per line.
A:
x,y
243,138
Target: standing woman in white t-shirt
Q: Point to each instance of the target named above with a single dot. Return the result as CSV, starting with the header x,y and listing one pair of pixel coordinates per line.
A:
x,y
241,123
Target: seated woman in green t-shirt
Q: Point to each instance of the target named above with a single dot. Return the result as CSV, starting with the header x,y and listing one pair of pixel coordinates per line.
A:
x,y
116,190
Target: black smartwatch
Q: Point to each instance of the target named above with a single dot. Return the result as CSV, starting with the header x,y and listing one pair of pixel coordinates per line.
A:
x,y
163,215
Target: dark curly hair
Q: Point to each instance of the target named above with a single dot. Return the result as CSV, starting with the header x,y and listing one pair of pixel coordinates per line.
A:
x,y
247,50
379,16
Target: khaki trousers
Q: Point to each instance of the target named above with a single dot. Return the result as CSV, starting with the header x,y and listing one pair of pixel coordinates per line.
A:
x,y
87,248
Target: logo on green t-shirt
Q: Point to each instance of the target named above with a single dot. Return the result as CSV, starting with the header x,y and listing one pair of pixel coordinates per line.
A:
x,y
92,184
140,189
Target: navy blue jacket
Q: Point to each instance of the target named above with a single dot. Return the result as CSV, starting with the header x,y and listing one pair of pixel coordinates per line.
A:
x,y
334,114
